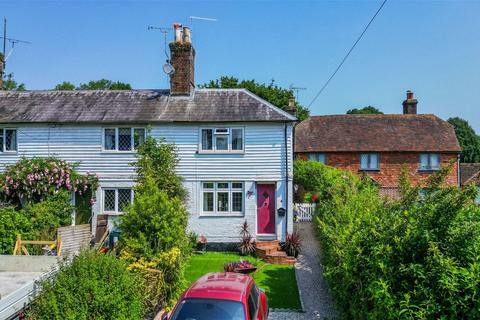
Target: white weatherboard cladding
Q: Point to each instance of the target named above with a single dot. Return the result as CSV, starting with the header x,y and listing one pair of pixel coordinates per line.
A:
x,y
263,160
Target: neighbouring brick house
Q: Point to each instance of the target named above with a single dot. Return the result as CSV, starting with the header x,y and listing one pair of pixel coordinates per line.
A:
x,y
381,145
470,173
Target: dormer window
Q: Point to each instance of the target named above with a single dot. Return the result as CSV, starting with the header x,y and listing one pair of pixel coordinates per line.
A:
x,y
123,139
221,140
8,140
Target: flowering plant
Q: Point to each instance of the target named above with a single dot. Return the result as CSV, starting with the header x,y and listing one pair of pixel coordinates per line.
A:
x,y
238,266
34,179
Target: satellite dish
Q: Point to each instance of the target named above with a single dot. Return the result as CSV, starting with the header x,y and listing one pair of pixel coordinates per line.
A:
x,y
168,69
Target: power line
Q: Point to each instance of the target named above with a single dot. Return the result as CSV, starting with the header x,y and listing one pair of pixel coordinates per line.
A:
x,y
348,53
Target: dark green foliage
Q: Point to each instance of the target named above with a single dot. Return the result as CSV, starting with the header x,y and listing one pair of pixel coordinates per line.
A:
x,y
13,222
365,110
65,85
154,235
270,92
38,221
9,83
468,139
91,287
417,257
104,84
158,160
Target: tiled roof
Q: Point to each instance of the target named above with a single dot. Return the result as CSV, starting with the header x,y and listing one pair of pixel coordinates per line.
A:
x,y
469,173
376,133
143,106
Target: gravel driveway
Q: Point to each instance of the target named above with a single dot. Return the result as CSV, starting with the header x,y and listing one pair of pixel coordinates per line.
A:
x,y
314,292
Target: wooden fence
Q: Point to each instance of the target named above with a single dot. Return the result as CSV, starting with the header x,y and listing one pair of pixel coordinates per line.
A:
x,y
304,211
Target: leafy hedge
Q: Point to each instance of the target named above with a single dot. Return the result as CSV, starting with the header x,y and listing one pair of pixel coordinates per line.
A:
x,y
38,221
91,287
417,257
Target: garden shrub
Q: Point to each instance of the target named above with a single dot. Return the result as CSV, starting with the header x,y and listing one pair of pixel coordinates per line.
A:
x,y
37,221
13,222
154,239
92,286
417,257
32,180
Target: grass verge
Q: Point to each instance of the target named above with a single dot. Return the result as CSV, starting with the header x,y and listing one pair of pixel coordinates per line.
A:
x,y
278,281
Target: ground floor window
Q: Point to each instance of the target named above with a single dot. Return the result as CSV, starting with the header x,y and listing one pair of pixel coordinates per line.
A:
x,y
222,197
115,200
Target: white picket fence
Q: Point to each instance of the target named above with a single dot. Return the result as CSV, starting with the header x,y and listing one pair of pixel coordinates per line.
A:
x,y
304,211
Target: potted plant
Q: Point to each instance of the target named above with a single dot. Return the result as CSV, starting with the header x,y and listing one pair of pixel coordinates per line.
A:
x,y
202,243
243,266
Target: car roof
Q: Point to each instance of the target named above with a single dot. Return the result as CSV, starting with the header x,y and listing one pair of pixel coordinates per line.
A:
x,y
220,285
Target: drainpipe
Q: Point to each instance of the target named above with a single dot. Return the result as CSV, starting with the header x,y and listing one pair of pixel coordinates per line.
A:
x,y
286,180
458,171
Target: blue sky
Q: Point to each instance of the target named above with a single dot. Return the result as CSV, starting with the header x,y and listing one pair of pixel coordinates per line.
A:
x,y
430,47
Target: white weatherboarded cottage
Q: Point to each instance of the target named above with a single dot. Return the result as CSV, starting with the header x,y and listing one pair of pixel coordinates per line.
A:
x,y
235,149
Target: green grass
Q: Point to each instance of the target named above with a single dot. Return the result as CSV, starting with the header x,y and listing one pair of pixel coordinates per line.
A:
x,y
278,281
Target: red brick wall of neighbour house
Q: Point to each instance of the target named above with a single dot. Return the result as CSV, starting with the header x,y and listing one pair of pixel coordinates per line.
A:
x,y
391,164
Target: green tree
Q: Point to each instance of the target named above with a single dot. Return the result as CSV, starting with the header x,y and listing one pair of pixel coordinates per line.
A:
x,y
9,83
365,110
91,286
65,85
271,92
104,84
468,139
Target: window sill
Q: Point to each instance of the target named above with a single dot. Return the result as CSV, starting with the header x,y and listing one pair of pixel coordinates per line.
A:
x,y
118,152
221,152
9,152
222,215
369,170
113,213
428,170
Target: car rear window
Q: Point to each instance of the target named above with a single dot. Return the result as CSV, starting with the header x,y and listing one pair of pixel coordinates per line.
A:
x,y
209,309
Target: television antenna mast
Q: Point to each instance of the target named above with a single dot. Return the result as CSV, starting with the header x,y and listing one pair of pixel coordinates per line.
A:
x,y
167,66
12,42
297,90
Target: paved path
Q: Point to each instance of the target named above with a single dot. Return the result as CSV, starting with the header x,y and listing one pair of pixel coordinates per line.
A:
x,y
317,301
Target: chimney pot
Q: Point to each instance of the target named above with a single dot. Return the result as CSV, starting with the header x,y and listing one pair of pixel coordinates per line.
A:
x,y
178,32
187,35
291,108
410,104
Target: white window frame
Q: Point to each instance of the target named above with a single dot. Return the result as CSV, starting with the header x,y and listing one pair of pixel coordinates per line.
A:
x,y
3,145
116,211
214,143
369,168
132,138
429,166
215,192
315,156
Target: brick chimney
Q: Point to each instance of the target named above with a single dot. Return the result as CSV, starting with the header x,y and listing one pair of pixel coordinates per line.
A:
x,y
182,81
291,108
410,104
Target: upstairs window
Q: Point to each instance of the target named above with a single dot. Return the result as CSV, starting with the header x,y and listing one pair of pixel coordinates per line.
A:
x,y
8,140
222,140
319,157
115,200
123,139
369,161
429,161
222,197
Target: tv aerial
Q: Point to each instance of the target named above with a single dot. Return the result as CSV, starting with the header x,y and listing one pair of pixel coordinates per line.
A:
x,y
167,66
297,90
12,42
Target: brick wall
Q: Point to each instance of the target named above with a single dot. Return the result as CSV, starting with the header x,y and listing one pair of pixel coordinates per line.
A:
x,y
183,60
391,164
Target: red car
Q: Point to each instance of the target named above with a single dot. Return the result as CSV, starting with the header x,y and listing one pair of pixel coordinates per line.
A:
x,y
222,296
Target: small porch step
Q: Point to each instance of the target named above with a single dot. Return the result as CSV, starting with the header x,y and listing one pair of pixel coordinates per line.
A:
x,y
271,252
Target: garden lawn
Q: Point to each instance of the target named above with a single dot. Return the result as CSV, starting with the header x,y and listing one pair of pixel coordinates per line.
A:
x,y
278,281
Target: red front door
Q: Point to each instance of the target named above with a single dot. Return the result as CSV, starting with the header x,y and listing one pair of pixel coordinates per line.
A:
x,y
266,208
